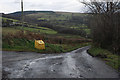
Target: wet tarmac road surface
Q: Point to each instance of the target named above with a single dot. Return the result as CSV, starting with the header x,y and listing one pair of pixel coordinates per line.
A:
x,y
75,64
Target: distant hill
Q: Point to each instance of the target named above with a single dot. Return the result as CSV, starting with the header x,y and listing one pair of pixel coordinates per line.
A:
x,y
31,12
1,14
17,15
63,19
28,12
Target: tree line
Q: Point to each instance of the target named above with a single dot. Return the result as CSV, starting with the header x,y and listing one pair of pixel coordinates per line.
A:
x,y
105,24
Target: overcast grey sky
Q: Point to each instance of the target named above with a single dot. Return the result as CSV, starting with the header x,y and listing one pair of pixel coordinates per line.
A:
x,y
9,6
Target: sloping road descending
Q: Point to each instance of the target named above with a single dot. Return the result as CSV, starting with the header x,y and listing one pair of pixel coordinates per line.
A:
x,y
75,64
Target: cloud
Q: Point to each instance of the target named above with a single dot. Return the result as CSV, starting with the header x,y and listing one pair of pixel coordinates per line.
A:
x,y
8,6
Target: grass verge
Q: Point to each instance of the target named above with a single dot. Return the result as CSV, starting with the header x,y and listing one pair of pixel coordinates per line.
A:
x,y
16,44
111,59
15,39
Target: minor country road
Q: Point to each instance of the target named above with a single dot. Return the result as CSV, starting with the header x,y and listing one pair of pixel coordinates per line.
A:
x,y
75,64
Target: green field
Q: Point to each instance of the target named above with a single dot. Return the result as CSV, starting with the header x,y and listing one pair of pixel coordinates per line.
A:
x,y
62,19
14,20
41,30
50,16
56,19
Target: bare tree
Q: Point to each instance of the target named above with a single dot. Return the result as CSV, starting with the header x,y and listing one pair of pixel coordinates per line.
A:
x,y
105,23
102,7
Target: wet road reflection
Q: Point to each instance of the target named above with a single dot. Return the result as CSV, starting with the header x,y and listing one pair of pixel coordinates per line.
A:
x,y
75,64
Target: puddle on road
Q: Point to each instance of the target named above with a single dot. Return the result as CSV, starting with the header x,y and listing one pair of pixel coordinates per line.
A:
x,y
23,66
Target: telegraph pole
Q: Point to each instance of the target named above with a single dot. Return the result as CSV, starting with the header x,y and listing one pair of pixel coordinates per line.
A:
x,y
22,15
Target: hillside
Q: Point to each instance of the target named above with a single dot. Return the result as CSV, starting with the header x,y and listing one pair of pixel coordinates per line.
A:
x,y
21,38
62,22
18,14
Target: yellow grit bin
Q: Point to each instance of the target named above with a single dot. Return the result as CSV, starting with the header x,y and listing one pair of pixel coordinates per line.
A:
x,y
39,44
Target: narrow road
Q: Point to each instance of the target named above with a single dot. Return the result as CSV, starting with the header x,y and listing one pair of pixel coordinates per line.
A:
x,y
75,64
